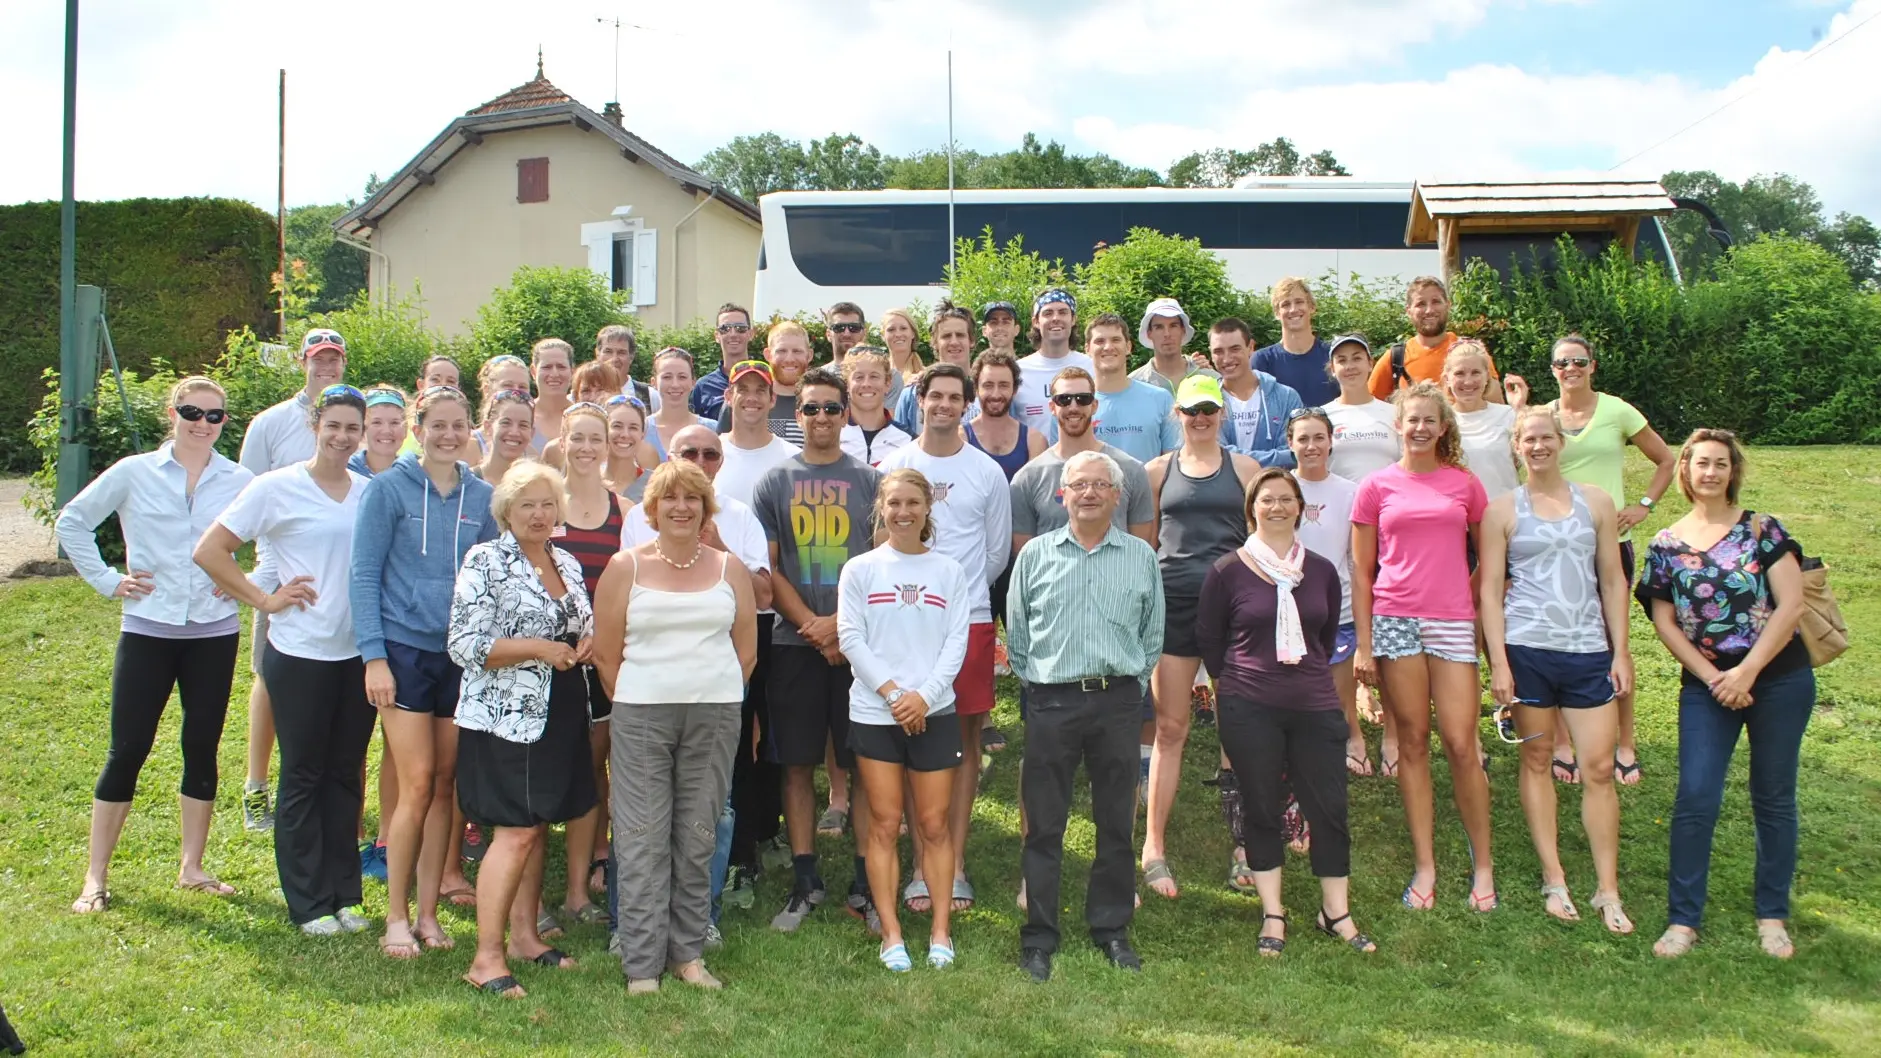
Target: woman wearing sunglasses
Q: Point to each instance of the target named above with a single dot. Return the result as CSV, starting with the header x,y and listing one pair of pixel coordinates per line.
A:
x,y
591,531
509,418
178,631
1553,600
304,515
1268,626
1598,427
417,521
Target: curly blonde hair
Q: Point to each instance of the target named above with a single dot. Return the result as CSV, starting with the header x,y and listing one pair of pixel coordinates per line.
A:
x,y
1450,442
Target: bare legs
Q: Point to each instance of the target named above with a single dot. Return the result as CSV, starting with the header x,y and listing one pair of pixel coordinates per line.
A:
x,y
418,839
1357,756
966,786
1411,685
589,832
1172,681
1594,732
509,889
838,779
933,791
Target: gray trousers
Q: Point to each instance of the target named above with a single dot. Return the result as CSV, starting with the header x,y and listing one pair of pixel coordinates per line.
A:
x,y
671,768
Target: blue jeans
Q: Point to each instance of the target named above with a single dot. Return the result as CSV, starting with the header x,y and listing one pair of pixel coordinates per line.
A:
x,y
1707,739
721,863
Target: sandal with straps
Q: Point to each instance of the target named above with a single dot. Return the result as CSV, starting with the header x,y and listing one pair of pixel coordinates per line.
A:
x,y
1674,942
1272,946
1774,938
1569,913
1612,914
1358,942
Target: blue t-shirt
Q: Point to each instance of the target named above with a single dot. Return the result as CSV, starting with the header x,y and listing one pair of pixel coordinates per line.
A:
x,y
1305,372
1139,419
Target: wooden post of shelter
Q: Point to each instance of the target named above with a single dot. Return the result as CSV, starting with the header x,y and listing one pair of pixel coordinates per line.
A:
x,y
1449,214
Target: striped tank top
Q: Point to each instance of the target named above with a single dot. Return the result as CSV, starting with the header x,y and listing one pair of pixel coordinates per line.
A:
x,y
593,547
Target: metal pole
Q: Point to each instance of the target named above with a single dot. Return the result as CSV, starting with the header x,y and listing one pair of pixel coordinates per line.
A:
x,y
950,160
74,458
280,203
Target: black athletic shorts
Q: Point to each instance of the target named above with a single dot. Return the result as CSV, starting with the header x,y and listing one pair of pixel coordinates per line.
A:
x,y
809,706
936,748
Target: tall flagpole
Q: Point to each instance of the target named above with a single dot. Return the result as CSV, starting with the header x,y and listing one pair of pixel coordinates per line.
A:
x,y
950,160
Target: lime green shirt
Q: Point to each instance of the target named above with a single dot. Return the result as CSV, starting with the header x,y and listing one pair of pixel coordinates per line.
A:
x,y
1597,454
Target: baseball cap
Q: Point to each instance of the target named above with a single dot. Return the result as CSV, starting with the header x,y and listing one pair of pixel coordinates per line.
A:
x,y
1165,307
322,338
752,367
987,310
1198,390
1341,339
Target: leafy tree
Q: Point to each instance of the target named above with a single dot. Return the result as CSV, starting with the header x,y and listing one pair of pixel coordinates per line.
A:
x,y
1050,165
757,165
1766,205
1148,265
1222,166
985,271
546,302
843,163
1858,243
336,272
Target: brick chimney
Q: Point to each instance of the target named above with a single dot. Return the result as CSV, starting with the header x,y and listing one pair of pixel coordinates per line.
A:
x,y
611,112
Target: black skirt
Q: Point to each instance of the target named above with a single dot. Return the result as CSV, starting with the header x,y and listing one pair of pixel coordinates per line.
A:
x,y
522,784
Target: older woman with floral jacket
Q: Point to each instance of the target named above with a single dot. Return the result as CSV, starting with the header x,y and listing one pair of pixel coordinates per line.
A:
x,y
521,627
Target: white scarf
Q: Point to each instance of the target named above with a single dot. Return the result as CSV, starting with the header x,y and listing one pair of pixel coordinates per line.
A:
x,y
1286,573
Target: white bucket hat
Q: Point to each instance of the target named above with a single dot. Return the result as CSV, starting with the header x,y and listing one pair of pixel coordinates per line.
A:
x,y
1165,307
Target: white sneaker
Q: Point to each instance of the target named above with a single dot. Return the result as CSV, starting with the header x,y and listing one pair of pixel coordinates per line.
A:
x,y
714,940
352,921
324,926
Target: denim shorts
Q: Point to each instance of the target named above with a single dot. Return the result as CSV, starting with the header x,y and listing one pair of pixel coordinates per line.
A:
x,y
1404,637
1548,678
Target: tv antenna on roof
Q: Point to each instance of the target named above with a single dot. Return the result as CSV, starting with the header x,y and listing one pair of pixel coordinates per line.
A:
x,y
618,25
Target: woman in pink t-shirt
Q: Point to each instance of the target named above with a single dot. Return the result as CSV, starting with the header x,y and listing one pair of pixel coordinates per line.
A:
x,y
1414,610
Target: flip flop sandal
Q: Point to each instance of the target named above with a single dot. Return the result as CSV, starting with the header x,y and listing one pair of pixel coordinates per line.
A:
x,y
1387,768
588,914
916,890
1483,903
832,823
1775,940
211,886
1566,772
1626,774
963,892
499,986
93,902
439,941
1158,871
1417,901
1612,915
400,949
463,896
546,926
554,959
1240,875
1569,913
1358,764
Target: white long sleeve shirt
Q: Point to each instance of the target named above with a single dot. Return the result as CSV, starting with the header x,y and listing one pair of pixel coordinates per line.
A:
x,y
162,522
972,515
904,618
280,435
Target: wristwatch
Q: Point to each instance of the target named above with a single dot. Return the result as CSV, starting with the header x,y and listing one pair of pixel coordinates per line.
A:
x,y
894,696
1647,502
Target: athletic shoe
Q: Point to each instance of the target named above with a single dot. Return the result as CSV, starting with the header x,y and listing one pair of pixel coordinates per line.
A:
x,y
775,853
324,926
613,943
257,814
472,846
353,919
372,861
714,940
742,893
796,909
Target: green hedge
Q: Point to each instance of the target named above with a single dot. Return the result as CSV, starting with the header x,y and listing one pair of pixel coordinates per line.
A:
x,y
178,275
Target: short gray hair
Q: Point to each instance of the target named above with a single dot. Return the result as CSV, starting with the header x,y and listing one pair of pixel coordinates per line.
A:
x,y
1080,460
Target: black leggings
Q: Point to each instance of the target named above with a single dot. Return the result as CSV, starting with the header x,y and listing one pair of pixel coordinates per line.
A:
x,y
1272,749
323,725
146,670
757,792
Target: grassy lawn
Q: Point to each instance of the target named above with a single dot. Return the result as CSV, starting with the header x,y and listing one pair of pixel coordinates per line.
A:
x,y
168,973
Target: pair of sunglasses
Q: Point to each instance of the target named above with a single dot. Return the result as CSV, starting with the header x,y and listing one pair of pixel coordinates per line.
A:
x,y
1572,361
1066,400
846,328
831,408
700,455
1207,407
340,392
1505,724
619,399
191,413
733,328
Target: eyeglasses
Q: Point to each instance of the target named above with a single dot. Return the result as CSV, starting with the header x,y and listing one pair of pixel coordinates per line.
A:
x,y
733,328
700,455
1088,486
191,413
846,328
1505,724
1207,407
1066,400
830,408
1572,361
619,399
340,392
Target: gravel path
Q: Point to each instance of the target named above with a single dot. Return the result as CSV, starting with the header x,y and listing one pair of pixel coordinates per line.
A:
x,y
26,547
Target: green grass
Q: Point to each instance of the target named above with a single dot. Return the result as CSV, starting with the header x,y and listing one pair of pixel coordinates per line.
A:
x,y
168,973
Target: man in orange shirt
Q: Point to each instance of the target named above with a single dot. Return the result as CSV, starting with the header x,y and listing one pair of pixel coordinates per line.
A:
x,y
1427,304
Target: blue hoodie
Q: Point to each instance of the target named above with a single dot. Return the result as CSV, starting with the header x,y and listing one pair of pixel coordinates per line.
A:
x,y
1268,446
408,542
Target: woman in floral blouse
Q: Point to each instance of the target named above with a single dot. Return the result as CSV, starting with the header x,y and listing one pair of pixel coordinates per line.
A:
x,y
521,627
1724,588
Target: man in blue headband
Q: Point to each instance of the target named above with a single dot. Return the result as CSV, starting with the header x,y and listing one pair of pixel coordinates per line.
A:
x,y
1054,323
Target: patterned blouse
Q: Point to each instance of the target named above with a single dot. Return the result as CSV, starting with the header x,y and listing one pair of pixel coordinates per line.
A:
x,y
1721,595
499,596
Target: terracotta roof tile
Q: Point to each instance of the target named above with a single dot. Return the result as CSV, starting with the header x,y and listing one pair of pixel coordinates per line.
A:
x,y
536,93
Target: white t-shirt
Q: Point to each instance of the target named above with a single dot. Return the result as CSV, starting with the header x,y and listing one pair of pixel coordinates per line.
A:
x,y
1485,435
739,475
1246,415
1032,403
280,436
1364,438
904,618
307,533
1326,529
972,515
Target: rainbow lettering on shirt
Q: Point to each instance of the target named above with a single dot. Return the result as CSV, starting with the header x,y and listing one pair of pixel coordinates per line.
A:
x,y
820,526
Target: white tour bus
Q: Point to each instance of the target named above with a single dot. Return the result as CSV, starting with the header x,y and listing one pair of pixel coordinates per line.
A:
x,y
882,249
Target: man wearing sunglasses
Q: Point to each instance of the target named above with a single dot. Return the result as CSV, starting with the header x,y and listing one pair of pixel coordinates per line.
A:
x,y
1135,416
1259,405
816,507
847,328
280,436
733,334
751,448
787,353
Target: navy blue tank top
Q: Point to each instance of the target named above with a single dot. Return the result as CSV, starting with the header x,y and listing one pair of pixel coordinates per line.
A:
x,y
1011,461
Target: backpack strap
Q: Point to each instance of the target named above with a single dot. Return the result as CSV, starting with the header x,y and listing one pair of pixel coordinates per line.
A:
x,y
1400,376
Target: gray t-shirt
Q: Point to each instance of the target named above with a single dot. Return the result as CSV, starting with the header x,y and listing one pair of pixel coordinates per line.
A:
x,y
1037,507
783,419
820,515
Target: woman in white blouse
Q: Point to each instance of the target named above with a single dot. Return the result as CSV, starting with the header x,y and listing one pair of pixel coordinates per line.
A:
x,y
178,631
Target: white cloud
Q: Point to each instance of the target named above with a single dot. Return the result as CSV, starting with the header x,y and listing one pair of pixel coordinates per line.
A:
x,y
179,99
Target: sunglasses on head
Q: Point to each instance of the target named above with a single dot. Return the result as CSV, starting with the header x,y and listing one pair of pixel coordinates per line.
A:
x,y
733,328
1066,400
339,392
846,328
518,396
619,399
583,405
830,408
1301,413
700,455
191,413
1207,407
1572,361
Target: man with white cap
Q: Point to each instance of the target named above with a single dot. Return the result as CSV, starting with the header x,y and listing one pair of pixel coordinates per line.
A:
x,y
1166,329
1299,358
1134,416
1054,326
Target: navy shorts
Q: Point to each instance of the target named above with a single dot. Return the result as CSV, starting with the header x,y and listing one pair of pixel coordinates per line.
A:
x,y
428,682
1545,679
1345,646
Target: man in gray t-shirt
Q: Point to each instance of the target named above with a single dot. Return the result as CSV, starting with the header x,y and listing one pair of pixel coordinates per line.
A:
x,y
819,516
1037,506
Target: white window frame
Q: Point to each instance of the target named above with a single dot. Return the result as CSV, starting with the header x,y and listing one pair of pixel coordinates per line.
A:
x,y
599,239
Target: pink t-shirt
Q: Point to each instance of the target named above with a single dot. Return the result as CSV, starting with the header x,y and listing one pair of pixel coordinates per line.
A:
x,y
1423,525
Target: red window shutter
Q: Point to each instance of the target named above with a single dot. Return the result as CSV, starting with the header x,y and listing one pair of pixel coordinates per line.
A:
x,y
532,180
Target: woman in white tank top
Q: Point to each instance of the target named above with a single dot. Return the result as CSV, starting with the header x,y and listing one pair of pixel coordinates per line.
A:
x,y
675,641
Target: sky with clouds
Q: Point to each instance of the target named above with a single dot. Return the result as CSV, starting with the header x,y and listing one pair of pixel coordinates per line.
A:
x,y
178,98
